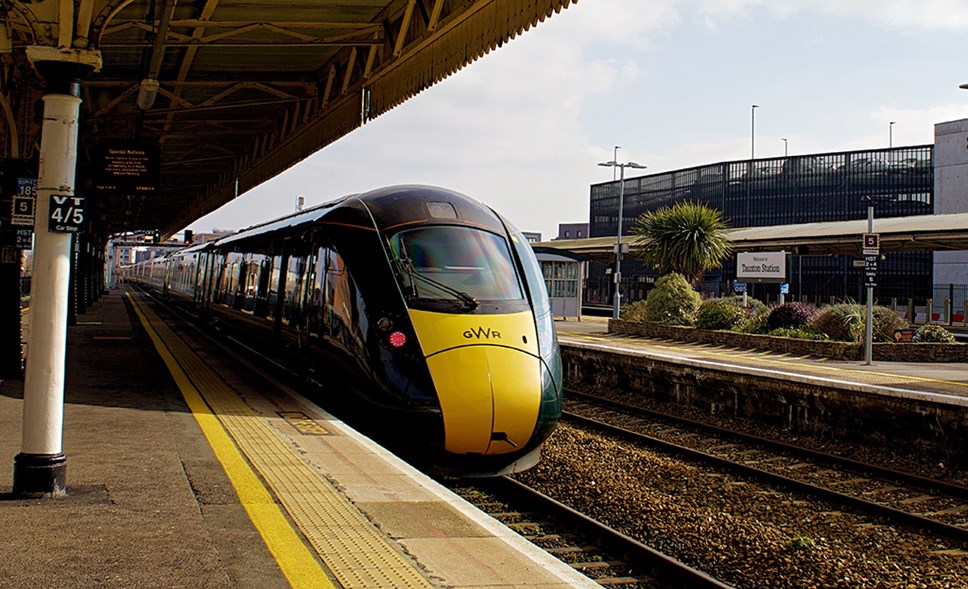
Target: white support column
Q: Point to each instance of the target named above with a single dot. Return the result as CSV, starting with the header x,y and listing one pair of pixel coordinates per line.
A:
x,y
40,468
44,379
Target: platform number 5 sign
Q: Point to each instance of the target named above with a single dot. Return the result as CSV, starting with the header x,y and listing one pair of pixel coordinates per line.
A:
x,y
66,213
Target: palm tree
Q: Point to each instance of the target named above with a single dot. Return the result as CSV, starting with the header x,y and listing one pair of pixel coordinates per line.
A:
x,y
688,237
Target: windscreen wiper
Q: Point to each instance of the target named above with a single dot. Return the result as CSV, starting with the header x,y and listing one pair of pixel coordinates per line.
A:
x,y
407,266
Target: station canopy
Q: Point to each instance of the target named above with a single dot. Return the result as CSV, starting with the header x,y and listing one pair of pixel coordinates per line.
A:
x,y
201,101
918,233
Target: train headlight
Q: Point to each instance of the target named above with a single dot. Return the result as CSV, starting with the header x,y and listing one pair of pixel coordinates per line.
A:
x,y
397,339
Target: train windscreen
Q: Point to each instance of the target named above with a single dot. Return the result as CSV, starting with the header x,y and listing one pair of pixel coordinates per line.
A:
x,y
457,264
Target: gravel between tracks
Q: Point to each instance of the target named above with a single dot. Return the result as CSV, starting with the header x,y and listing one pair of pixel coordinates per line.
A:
x,y
739,531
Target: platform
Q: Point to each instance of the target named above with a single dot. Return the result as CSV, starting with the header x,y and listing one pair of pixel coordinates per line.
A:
x,y
186,468
948,381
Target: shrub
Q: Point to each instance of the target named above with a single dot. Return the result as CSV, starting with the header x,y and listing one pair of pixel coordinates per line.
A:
x,y
933,333
673,301
886,321
755,321
720,314
791,315
633,312
843,322
846,321
752,305
803,332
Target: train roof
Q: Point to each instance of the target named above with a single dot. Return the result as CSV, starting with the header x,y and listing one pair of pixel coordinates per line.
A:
x,y
304,217
386,205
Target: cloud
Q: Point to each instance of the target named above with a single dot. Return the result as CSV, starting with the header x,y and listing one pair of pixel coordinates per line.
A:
x,y
895,14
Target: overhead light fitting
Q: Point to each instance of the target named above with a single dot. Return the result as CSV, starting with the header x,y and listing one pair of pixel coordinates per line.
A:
x,y
147,93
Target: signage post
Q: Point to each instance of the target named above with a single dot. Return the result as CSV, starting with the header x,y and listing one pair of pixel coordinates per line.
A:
x,y
871,250
767,267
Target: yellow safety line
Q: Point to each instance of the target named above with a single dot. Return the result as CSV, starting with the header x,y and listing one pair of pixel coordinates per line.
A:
x,y
359,555
296,561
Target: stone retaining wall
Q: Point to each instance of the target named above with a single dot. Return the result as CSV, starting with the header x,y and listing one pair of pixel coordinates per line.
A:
x,y
912,425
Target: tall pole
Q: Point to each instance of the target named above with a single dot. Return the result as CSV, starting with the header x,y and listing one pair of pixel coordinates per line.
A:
x,y
869,324
890,135
618,244
786,146
615,159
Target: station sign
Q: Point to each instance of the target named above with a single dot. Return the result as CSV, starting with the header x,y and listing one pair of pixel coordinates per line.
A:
x,y
871,244
22,207
67,213
870,269
24,238
127,168
22,212
761,266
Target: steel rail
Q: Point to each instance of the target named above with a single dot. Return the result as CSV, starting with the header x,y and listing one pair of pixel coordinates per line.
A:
x,y
868,507
668,568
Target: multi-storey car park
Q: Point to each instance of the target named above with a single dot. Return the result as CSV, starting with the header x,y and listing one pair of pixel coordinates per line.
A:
x,y
812,188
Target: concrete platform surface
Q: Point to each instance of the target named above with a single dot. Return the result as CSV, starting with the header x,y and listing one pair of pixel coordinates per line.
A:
x,y
153,501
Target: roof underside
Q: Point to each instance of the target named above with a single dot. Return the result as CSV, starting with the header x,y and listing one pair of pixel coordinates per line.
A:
x,y
246,89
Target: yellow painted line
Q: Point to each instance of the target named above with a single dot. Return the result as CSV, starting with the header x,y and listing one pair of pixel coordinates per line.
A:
x,y
359,555
296,561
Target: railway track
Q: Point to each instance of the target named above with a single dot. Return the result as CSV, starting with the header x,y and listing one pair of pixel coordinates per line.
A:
x,y
603,554
930,505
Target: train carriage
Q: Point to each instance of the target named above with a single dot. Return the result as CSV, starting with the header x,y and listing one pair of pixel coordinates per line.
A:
x,y
419,312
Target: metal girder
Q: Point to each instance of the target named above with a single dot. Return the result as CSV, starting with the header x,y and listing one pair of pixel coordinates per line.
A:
x,y
233,92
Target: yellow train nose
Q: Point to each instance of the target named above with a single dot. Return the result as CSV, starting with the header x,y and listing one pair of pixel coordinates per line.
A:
x,y
489,397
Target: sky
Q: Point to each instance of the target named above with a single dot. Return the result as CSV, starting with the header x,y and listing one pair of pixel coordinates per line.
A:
x,y
670,81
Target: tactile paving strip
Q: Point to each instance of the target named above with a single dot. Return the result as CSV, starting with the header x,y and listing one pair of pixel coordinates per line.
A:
x,y
356,552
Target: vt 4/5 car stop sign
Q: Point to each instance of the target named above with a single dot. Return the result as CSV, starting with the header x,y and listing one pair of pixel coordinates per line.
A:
x,y
66,213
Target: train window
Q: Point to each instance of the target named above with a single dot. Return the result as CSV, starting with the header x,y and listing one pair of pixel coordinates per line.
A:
x,y
292,303
272,299
230,279
252,282
451,263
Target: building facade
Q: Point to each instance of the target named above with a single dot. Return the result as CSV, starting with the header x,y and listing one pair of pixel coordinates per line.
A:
x,y
791,190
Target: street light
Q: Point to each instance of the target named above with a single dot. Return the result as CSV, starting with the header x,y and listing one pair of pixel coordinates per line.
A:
x,y
618,241
753,131
890,135
786,144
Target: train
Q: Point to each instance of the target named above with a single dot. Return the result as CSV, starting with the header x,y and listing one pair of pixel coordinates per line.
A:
x,y
418,314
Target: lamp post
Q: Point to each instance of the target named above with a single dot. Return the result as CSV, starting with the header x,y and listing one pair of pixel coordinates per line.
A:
x,y
753,131
618,240
890,135
786,146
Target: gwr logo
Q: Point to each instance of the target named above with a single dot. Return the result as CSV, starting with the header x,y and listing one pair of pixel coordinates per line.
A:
x,y
482,332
